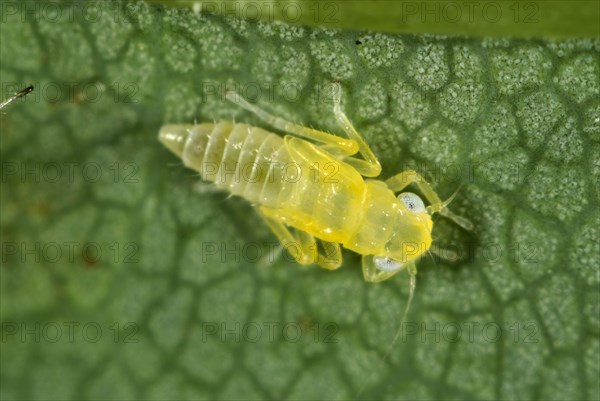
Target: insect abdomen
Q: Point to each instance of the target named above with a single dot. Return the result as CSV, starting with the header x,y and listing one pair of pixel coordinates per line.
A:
x,y
243,159
303,185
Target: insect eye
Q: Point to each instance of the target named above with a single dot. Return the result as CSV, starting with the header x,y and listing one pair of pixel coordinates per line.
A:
x,y
412,202
387,264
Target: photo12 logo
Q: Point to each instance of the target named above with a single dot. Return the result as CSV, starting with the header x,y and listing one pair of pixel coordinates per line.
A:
x,y
52,252
69,172
491,12
471,332
74,92
269,11
254,332
69,332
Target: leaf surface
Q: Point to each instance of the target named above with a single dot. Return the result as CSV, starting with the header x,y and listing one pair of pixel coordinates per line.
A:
x,y
121,281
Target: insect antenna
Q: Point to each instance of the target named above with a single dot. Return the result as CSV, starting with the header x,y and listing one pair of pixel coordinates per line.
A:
x,y
17,95
412,273
444,253
461,221
430,254
451,197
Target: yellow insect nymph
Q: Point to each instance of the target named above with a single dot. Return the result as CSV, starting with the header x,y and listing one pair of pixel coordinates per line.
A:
x,y
311,191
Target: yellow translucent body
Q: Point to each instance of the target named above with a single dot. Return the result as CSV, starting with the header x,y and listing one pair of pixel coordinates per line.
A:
x,y
303,186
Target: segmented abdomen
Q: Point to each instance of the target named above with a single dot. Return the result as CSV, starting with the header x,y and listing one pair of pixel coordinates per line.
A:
x,y
247,161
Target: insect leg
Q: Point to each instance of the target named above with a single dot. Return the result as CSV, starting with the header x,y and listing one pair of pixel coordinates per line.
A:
x,y
299,249
369,167
335,151
405,178
303,246
349,146
331,257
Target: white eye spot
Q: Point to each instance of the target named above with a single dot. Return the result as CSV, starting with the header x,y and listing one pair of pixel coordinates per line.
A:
x,y
387,264
412,202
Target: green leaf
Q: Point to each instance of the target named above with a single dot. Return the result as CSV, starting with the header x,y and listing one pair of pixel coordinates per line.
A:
x,y
120,280
548,18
